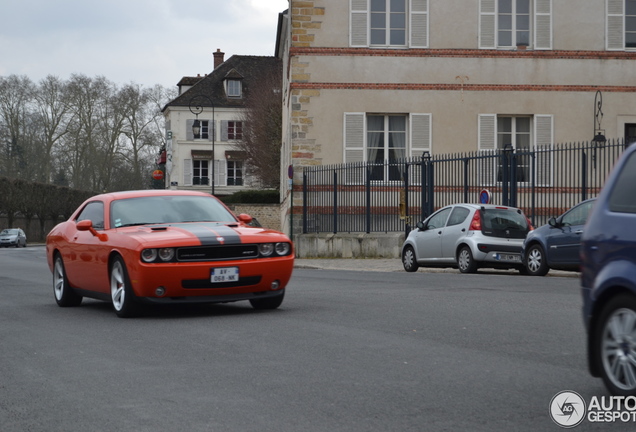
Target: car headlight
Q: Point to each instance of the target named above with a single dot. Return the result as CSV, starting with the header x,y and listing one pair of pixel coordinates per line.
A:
x,y
266,249
282,249
149,255
164,255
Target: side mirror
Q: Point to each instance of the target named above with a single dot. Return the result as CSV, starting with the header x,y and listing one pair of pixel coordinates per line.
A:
x,y
87,225
245,218
553,222
420,226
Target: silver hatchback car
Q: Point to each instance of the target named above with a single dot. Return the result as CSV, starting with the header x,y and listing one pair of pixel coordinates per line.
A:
x,y
468,236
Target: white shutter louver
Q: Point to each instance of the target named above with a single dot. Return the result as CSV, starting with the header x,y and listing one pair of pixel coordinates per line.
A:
x,y
543,24
187,172
419,24
354,133
543,149
487,147
359,23
487,24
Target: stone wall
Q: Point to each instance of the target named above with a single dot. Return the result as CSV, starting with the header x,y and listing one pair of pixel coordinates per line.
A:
x,y
267,214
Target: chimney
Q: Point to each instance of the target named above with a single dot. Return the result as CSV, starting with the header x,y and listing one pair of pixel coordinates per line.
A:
x,y
218,58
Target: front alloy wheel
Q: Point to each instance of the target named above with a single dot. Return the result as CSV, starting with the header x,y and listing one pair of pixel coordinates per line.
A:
x,y
64,294
121,292
615,345
408,259
536,261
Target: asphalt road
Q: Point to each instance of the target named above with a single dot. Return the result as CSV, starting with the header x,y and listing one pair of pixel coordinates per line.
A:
x,y
347,351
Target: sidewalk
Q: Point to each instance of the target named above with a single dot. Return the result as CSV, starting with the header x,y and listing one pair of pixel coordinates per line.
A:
x,y
393,265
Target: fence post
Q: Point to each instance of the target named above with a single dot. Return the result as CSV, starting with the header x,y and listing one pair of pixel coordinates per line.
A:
x,y
335,201
466,160
407,226
427,185
304,202
583,175
505,175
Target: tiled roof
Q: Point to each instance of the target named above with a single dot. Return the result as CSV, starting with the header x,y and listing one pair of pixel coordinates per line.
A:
x,y
249,68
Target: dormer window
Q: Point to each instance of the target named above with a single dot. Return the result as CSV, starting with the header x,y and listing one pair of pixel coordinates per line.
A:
x,y
233,88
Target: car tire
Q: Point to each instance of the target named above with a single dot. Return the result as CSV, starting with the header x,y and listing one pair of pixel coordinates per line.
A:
x,y
614,347
409,261
465,261
536,261
64,294
268,303
121,292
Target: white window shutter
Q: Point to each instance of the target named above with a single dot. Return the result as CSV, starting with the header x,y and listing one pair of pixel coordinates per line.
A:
x,y
220,172
359,23
487,132
543,145
189,134
419,24
354,143
615,25
421,133
487,24
543,24
187,172
211,130
224,129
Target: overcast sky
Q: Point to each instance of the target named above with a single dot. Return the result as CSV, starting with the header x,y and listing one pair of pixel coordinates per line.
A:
x,y
142,41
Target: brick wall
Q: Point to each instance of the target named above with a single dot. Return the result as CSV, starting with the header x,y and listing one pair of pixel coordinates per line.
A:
x,y
267,214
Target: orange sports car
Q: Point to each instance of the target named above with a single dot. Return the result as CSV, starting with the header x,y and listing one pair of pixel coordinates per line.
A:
x,y
163,246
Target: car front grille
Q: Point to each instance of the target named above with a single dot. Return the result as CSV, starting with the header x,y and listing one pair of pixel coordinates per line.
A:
x,y
217,253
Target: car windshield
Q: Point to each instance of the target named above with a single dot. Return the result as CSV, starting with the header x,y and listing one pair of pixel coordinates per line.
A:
x,y
9,232
168,209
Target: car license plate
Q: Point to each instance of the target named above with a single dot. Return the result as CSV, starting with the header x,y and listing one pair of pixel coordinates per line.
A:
x,y
508,257
224,274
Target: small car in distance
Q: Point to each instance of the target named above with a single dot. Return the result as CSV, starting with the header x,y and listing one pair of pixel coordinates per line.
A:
x,y
468,237
165,246
13,237
608,279
556,244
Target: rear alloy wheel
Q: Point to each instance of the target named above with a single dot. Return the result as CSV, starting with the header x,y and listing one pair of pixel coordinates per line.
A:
x,y
536,261
268,303
408,259
465,261
121,292
64,294
614,346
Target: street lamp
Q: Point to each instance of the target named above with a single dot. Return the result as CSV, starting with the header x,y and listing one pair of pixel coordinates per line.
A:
x,y
196,108
599,138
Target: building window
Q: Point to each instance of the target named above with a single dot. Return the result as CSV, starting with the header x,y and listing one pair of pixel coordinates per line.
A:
x,y
234,130
513,22
514,133
386,142
630,23
233,88
200,172
203,134
389,23
234,173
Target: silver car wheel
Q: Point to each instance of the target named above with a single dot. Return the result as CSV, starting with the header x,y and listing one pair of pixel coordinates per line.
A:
x,y
534,260
408,259
59,279
117,285
618,349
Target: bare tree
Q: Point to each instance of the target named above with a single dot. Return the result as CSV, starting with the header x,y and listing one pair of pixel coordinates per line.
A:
x,y
16,95
263,128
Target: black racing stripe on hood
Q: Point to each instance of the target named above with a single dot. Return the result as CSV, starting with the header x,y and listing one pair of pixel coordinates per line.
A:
x,y
209,234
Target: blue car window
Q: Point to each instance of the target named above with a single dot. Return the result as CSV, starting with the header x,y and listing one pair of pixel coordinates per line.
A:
x,y
578,215
622,198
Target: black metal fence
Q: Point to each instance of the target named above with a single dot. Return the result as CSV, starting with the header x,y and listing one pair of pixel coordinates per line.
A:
x,y
392,196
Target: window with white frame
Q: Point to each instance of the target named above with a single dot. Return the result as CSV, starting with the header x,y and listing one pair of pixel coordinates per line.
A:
x,y
203,132
233,88
389,23
521,134
234,173
380,139
200,172
231,130
515,23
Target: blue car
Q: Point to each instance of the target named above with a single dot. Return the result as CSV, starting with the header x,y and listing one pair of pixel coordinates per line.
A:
x,y
608,279
556,244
